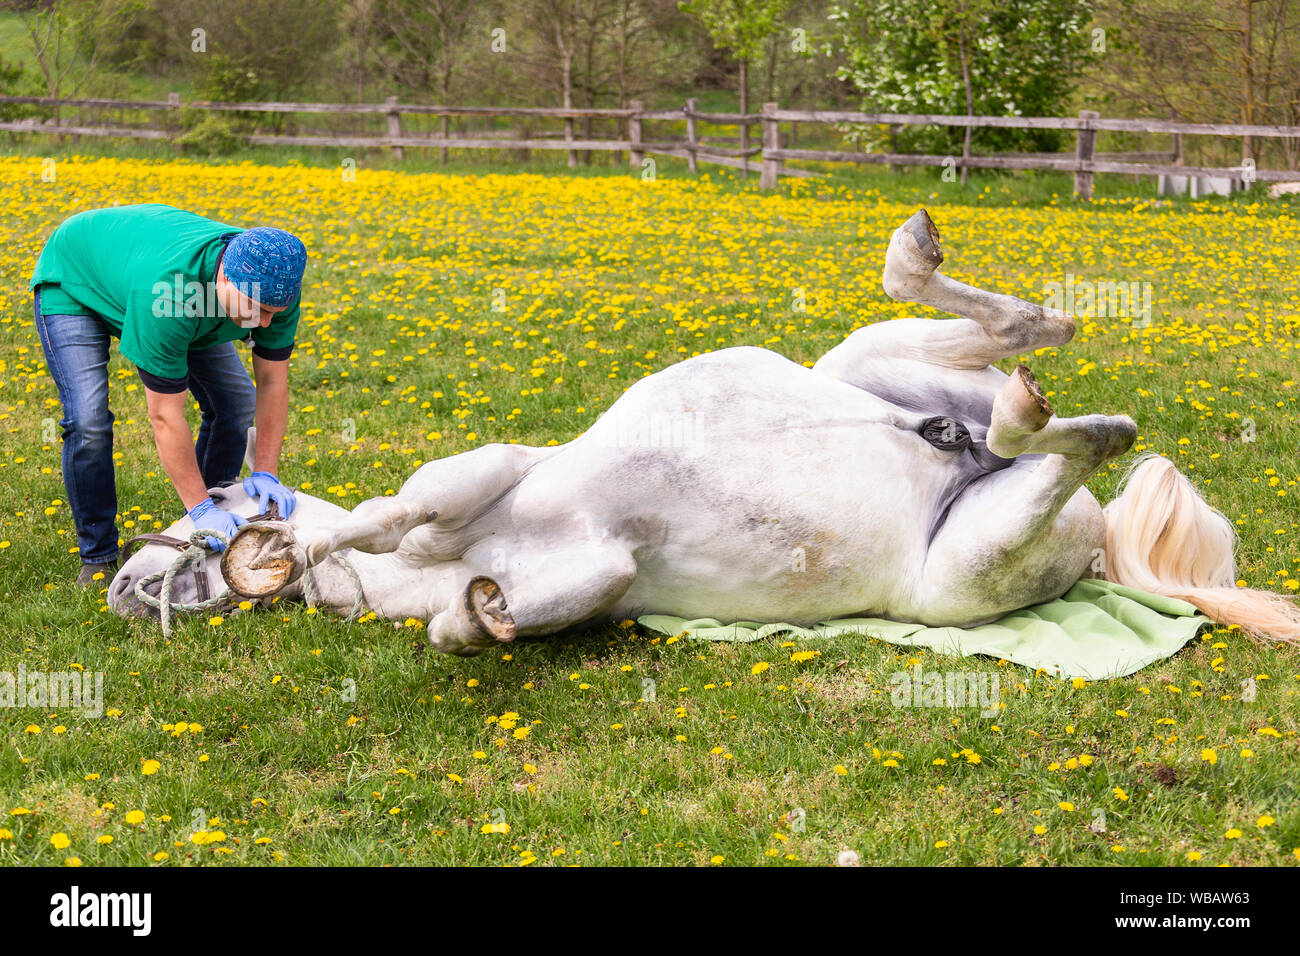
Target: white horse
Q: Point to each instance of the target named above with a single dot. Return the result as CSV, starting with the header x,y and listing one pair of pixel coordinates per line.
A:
x,y
901,477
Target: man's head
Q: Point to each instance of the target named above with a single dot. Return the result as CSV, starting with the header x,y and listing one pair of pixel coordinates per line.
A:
x,y
260,275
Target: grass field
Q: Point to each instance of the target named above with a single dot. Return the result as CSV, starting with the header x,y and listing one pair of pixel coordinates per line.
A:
x,y
442,312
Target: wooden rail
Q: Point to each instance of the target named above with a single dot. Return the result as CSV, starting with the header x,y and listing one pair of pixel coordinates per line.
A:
x,y
1034,122
1085,162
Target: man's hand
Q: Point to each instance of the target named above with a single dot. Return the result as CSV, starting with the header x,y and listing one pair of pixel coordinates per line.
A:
x,y
208,517
265,487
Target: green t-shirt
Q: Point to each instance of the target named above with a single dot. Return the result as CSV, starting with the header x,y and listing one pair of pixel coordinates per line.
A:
x,y
149,272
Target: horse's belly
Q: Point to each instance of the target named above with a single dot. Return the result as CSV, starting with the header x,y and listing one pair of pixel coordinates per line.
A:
x,y
807,530
745,486
766,544
744,591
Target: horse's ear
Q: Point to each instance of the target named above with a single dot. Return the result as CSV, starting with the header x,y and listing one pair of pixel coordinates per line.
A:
x,y
250,447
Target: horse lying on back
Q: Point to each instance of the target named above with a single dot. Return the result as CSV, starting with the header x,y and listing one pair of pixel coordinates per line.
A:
x,y
901,477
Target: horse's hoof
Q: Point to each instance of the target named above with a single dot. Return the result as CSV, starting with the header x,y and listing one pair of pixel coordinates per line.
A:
x,y
1031,406
914,253
479,619
1019,411
486,606
920,228
261,560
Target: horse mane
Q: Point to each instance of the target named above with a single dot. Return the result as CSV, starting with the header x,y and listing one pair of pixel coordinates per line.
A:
x,y
1162,536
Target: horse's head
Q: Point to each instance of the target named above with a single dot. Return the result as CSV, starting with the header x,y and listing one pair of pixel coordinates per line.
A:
x,y
151,556
189,587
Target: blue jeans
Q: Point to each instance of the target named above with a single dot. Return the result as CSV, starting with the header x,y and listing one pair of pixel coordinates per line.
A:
x,y
76,351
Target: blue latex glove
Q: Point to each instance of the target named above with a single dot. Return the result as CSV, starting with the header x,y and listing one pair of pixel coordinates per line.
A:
x,y
208,517
267,488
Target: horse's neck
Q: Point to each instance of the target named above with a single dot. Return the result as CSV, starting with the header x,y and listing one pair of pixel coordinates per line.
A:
x,y
388,586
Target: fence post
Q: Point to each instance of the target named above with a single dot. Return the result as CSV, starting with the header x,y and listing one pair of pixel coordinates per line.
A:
x,y
692,162
771,141
1083,153
636,155
394,124
174,118
965,154
572,159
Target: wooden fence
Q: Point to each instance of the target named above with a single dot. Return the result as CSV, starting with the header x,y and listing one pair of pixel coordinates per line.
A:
x,y
1084,163
771,154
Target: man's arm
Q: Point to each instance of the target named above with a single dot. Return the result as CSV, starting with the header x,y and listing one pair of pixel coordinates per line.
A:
x,y
272,415
175,441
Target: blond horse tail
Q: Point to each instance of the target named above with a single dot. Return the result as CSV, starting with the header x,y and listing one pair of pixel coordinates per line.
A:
x,y
1163,537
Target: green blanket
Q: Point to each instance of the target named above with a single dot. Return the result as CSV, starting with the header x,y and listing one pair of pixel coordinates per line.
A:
x,y
1096,630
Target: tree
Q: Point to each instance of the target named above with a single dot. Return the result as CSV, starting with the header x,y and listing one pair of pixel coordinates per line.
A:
x,y
420,43
595,52
557,25
287,44
1247,65
639,55
359,22
741,28
70,36
1008,58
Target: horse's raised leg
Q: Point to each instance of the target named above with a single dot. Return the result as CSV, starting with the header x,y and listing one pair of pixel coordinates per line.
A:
x,y
545,591
1014,325
1025,534
917,356
450,491
1023,423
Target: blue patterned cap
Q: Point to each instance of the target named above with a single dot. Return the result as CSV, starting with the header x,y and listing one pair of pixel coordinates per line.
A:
x,y
270,259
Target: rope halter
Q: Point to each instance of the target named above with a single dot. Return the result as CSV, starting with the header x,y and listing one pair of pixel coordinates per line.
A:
x,y
193,554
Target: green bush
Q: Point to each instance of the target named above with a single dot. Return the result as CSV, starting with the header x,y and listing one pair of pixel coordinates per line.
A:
x,y
208,134
227,80
13,82
224,80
